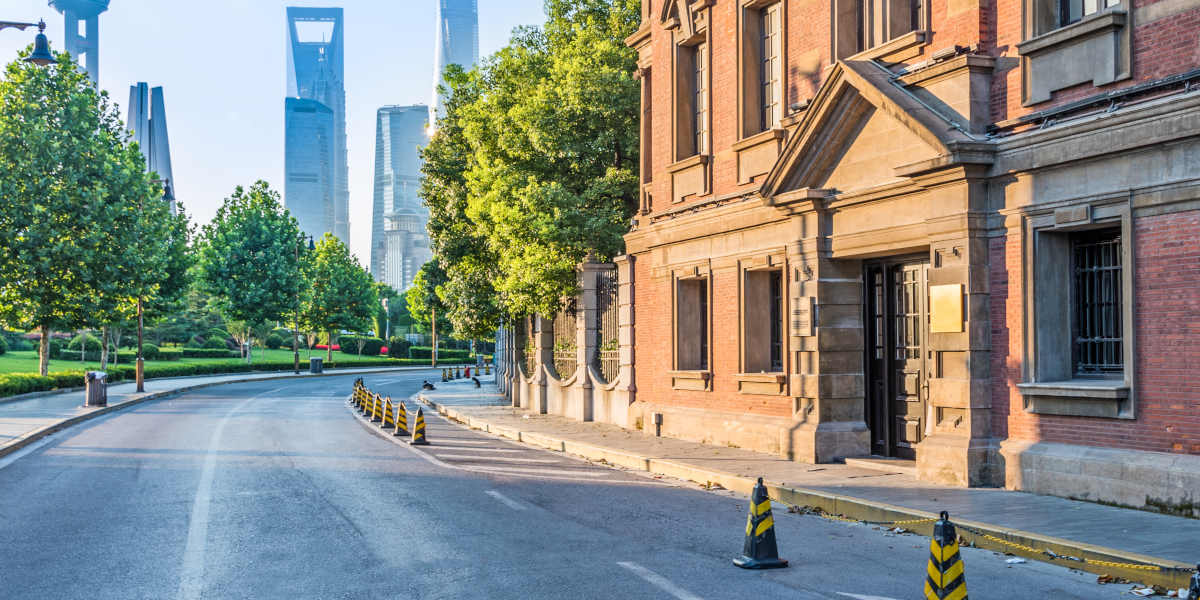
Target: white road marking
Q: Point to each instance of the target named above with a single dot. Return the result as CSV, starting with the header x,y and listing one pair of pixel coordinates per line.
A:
x,y
496,458
12,458
191,579
861,597
659,581
474,442
518,470
473,449
509,502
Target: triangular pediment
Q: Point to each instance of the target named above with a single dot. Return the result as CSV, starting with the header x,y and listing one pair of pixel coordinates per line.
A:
x,y
855,133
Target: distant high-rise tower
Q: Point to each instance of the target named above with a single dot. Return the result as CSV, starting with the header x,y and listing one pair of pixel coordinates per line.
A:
x,y
457,43
316,173
399,242
148,122
87,45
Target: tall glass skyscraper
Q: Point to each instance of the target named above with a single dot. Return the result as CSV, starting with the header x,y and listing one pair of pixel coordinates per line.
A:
x,y
317,183
148,122
399,242
457,43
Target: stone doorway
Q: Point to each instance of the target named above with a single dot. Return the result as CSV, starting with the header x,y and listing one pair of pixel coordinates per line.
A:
x,y
897,354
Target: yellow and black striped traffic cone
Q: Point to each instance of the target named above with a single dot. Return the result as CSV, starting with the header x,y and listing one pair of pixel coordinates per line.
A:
x,y
418,434
760,551
376,409
401,419
445,377
458,372
487,369
388,421
944,576
358,396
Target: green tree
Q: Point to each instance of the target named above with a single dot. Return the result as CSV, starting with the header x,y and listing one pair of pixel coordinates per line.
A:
x,y
72,184
424,302
248,260
534,165
338,293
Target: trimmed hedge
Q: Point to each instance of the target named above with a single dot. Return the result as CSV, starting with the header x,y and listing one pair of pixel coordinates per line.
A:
x,y
398,347
216,343
12,384
349,345
93,343
209,353
426,353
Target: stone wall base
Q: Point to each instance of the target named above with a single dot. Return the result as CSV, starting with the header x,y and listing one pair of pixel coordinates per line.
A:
x,y
958,460
780,436
1158,481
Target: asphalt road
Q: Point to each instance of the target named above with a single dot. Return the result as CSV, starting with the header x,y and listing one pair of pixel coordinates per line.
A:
x,y
277,490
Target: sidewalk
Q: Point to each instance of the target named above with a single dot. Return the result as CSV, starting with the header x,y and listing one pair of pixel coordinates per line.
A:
x,y
1090,531
26,420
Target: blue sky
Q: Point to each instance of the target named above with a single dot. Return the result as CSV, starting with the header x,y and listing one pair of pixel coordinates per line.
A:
x,y
222,66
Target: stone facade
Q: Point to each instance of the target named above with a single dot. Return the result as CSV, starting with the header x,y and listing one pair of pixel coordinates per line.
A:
x,y
953,244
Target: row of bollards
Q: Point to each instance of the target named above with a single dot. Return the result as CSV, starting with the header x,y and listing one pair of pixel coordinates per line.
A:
x,y
944,576
451,373
379,409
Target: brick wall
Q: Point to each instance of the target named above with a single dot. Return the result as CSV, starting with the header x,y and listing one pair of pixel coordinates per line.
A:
x,y
1167,322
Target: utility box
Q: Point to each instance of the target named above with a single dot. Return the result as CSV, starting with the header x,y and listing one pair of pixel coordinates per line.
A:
x,y
96,389
315,364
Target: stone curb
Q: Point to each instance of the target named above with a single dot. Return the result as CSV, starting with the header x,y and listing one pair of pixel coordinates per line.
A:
x,y
1173,575
38,434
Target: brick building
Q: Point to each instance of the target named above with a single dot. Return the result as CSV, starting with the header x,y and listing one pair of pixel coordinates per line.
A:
x,y
959,232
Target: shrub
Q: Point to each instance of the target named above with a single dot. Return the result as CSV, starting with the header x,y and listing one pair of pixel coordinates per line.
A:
x,y
149,352
398,347
56,347
217,343
93,343
209,353
273,341
444,354
3,346
169,354
349,345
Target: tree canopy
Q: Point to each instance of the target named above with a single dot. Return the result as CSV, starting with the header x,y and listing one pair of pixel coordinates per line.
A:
x,y
534,165
338,293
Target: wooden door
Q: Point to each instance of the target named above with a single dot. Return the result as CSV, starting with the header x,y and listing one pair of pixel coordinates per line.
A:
x,y
897,332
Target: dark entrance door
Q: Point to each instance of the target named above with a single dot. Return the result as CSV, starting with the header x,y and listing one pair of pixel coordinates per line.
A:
x,y
897,330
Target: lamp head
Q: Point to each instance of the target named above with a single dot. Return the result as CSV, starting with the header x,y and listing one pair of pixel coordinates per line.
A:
x,y
41,48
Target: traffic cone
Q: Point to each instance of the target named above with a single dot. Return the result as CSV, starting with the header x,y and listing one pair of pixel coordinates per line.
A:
x,y
376,409
445,375
760,551
467,372
401,420
487,369
944,576
1194,589
358,399
418,434
388,421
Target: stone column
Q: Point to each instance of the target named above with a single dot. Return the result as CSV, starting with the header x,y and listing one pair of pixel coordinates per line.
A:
x,y
588,335
626,387
542,336
959,449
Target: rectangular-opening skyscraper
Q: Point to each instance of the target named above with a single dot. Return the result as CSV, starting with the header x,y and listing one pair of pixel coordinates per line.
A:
x,y
457,43
317,184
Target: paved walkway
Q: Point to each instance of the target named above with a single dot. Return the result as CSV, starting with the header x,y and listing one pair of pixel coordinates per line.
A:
x,y
1125,530
21,419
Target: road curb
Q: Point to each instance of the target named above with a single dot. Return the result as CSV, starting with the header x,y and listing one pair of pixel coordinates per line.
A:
x,y
1168,573
38,434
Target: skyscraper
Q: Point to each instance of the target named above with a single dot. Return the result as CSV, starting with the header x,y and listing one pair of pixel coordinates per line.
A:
x,y
317,184
399,242
87,45
148,122
457,43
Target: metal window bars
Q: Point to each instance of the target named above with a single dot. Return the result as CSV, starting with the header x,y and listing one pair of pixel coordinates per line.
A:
x,y
1097,328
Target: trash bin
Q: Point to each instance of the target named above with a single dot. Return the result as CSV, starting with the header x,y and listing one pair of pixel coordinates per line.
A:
x,y
315,364
96,387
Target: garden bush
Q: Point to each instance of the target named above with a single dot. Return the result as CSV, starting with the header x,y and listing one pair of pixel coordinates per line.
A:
x,y
216,343
444,354
169,354
209,353
149,352
398,347
349,345
273,341
93,343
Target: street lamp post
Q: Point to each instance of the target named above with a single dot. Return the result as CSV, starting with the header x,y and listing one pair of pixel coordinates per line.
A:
x,y
387,319
41,46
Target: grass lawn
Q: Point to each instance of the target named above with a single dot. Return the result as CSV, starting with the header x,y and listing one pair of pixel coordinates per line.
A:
x,y
27,361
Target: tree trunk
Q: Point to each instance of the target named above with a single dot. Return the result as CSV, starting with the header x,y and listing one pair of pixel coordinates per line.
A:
x,y
104,348
433,321
140,367
44,352
329,349
83,347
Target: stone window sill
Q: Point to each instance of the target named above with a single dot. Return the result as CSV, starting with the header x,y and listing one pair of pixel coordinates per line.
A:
x,y
691,161
757,154
1098,23
900,49
695,380
770,384
1078,397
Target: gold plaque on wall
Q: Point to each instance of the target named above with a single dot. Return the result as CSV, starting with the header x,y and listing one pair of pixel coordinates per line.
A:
x,y
946,308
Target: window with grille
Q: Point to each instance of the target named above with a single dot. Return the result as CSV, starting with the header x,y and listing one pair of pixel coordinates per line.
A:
x,y
1097,347
770,69
700,97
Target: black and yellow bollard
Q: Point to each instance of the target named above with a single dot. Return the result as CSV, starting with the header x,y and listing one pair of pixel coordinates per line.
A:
x,y
760,551
445,377
1194,589
358,399
458,372
418,434
487,369
401,420
944,577
388,421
